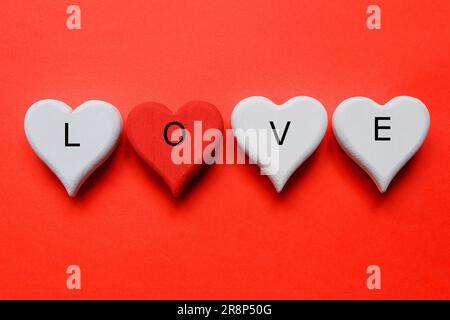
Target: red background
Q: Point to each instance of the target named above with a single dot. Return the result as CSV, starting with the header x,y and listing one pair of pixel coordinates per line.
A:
x,y
232,235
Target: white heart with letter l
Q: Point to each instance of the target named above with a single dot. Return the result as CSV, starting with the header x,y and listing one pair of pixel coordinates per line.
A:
x,y
381,139
279,138
73,143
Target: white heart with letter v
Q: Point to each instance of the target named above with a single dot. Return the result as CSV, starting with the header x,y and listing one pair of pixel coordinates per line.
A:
x,y
381,139
279,138
73,143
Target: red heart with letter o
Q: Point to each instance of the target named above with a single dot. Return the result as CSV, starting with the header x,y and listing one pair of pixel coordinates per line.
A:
x,y
174,145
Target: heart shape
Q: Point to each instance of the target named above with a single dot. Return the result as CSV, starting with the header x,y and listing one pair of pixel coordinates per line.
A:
x,y
73,143
149,128
292,131
381,139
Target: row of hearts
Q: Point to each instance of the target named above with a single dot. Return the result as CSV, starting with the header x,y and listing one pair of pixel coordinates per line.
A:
x,y
380,161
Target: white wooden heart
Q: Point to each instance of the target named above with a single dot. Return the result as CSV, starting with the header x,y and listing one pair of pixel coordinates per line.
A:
x,y
279,138
381,139
73,143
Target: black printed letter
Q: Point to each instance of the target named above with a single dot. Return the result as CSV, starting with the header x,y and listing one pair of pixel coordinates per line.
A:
x,y
67,143
166,129
283,136
377,127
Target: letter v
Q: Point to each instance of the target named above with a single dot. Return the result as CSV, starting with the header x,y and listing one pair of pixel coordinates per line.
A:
x,y
280,142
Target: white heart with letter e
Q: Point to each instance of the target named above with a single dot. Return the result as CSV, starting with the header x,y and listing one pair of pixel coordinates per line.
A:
x,y
279,138
381,139
73,143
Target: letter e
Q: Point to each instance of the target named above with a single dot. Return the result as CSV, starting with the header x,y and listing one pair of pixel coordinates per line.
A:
x,y
378,127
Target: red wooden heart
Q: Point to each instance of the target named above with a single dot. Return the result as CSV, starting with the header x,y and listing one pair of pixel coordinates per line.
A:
x,y
149,129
